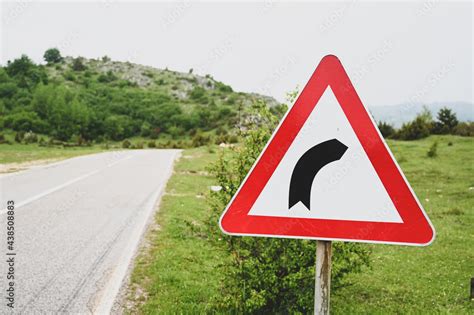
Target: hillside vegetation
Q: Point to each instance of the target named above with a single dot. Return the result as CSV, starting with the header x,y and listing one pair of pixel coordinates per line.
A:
x,y
83,100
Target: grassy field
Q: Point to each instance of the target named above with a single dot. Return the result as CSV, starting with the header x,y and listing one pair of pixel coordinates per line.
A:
x,y
19,153
23,153
179,271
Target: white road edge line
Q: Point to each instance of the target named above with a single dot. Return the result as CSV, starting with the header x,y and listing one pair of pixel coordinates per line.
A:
x,y
54,189
119,273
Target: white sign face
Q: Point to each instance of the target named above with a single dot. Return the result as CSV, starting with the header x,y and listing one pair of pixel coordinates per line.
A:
x,y
347,189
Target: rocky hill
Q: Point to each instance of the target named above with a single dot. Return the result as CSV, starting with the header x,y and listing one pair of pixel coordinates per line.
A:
x,y
100,99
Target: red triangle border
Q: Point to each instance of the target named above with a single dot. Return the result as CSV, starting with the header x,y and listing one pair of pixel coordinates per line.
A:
x,y
416,228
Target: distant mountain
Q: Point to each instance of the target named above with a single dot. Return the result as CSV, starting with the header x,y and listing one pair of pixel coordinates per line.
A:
x,y
401,113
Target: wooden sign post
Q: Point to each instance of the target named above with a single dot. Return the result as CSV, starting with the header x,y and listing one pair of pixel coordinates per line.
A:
x,y
323,277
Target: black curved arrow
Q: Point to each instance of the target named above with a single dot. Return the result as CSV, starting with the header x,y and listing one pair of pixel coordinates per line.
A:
x,y
309,165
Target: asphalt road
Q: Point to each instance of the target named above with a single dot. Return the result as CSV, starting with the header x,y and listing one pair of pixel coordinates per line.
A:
x,y
77,225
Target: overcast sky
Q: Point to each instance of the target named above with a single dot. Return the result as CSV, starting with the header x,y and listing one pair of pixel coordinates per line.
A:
x,y
394,52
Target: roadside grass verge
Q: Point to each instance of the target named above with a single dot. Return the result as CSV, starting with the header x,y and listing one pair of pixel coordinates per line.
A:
x,y
179,271
179,268
20,153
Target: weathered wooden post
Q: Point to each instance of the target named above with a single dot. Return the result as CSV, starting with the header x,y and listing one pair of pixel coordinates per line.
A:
x,y
323,277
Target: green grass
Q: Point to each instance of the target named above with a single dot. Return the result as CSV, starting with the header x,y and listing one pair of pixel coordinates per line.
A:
x,y
179,271
19,153
434,279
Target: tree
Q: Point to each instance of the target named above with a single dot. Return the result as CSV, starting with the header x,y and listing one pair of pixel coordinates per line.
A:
x,y
25,72
419,128
52,56
19,66
78,64
446,121
386,129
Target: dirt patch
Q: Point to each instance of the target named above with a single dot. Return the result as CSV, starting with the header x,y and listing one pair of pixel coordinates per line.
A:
x,y
15,167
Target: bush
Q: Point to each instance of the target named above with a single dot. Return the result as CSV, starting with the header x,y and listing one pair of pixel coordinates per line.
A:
x,y
107,77
25,121
433,151
419,128
78,64
19,136
198,94
268,275
30,137
152,144
446,121
386,129
70,76
126,144
52,55
465,129
233,139
200,139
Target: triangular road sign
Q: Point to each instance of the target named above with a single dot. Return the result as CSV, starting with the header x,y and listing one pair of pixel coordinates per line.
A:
x,y
327,174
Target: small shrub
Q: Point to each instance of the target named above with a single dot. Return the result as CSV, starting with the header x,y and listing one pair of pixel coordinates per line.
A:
x,y
223,87
30,137
414,130
126,144
70,76
233,139
107,77
19,136
78,64
433,151
464,129
139,145
197,94
450,143
148,74
386,129
200,139
211,149
287,265
152,144
419,128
